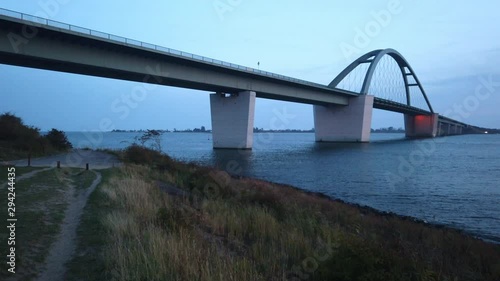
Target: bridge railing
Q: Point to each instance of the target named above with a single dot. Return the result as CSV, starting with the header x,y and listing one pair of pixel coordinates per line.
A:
x,y
39,21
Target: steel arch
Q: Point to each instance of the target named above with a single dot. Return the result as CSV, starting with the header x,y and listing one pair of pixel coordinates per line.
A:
x,y
373,58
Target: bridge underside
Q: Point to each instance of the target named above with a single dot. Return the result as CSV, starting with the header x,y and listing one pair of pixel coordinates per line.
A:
x,y
449,129
73,52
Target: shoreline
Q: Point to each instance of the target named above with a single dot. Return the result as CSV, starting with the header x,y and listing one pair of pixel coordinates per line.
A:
x,y
365,208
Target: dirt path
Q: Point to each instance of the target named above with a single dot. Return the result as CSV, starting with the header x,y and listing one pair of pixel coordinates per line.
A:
x,y
77,158
27,175
65,246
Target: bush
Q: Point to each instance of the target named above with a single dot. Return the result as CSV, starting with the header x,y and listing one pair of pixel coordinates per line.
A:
x,y
18,140
153,137
141,155
13,129
58,140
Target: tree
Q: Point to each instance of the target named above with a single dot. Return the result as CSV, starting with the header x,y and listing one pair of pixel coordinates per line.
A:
x,y
58,139
203,128
12,128
17,136
153,137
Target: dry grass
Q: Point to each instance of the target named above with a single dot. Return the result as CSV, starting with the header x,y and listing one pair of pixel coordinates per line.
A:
x,y
147,245
244,229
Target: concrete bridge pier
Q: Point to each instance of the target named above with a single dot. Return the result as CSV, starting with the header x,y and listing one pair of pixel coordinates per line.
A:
x,y
352,123
232,119
421,126
455,129
443,129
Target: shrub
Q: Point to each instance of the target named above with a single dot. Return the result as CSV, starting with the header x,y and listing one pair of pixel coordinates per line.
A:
x,y
141,155
17,139
58,140
153,137
13,129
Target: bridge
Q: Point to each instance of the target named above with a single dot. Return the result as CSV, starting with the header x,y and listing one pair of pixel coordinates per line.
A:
x,y
380,79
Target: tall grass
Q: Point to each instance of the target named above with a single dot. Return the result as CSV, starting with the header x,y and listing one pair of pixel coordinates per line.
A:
x,y
147,245
244,229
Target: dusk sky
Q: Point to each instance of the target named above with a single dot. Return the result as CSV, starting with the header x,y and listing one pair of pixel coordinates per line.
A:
x,y
454,48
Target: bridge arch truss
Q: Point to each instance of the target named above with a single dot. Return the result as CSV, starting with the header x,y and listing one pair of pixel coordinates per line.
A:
x,y
373,60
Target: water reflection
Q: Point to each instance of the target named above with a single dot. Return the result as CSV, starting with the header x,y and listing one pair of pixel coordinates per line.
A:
x,y
236,162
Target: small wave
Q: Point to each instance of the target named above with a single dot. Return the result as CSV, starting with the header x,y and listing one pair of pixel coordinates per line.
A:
x,y
483,218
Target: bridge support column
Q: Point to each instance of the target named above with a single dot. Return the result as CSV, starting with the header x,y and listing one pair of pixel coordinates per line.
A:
x,y
421,126
441,130
232,120
352,123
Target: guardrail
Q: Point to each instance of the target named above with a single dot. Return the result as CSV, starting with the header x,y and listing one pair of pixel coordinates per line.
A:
x,y
38,21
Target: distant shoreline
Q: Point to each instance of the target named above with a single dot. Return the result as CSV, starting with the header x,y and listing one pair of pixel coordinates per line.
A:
x,y
260,131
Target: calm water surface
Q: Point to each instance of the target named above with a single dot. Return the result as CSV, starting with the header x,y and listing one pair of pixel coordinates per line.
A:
x,y
452,180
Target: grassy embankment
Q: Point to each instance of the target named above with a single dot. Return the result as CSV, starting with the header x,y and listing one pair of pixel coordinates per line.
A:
x,y
202,224
40,204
